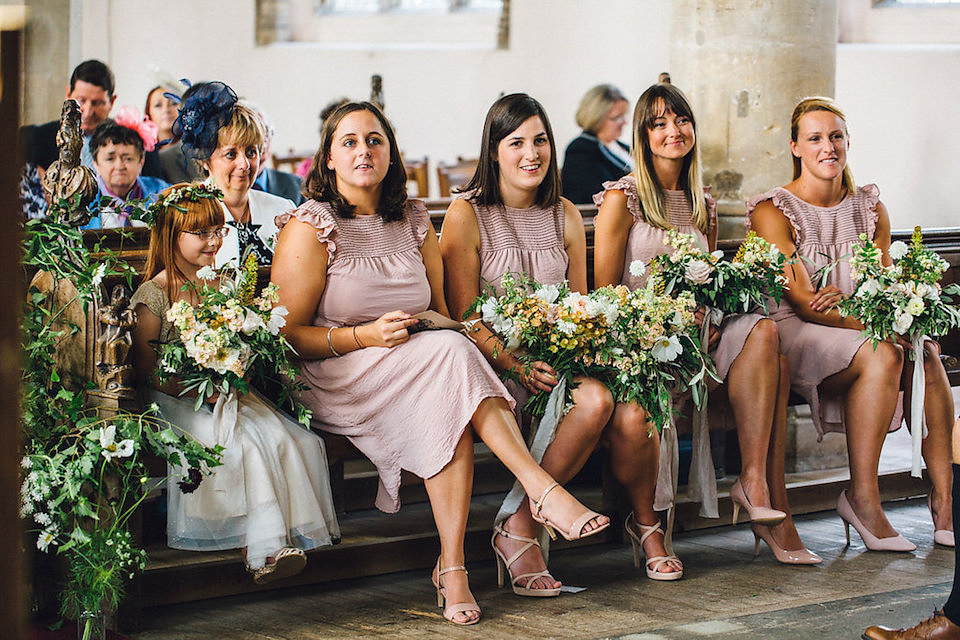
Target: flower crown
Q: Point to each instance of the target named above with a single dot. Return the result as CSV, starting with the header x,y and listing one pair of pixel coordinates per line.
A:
x,y
203,113
188,193
130,118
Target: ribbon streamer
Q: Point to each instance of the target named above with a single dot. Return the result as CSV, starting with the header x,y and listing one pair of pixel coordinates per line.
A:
x,y
702,486
918,425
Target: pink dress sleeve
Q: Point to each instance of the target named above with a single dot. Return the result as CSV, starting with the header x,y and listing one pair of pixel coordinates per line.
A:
x,y
628,185
419,218
318,215
871,196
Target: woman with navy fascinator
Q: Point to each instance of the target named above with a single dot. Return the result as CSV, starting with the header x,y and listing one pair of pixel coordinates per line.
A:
x,y
225,139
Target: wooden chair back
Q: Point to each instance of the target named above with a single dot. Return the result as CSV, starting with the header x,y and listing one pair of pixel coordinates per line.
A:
x,y
453,176
417,174
291,160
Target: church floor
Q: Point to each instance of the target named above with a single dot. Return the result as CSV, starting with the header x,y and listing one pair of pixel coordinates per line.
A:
x,y
726,593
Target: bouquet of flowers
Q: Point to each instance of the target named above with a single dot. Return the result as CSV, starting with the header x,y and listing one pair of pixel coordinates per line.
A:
x,y
904,298
734,286
655,349
230,339
551,324
81,491
637,342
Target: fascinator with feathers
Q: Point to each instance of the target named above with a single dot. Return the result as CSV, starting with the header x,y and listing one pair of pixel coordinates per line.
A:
x,y
206,107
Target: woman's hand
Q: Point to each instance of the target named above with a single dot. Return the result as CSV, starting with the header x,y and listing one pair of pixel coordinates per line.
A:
x,y
826,298
537,376
713,332
388,330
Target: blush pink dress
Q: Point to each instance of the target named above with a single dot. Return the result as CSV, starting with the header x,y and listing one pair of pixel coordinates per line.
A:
x,y
644,242
404,407
823,235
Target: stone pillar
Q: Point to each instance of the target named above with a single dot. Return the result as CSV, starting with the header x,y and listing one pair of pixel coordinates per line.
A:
x,y
46,66
744,64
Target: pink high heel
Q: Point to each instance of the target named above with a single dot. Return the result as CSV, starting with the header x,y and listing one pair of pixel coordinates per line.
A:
x,y
758,515
575,532
452,610
943,537
783,556
872,542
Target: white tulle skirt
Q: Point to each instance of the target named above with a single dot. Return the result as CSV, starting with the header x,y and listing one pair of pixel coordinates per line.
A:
x,y
272,491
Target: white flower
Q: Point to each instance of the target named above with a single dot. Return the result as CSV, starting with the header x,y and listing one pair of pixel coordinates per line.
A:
x,y
869,288
566,327
698,272
41,518
717,255
915,306
111,449
25,462
44,539
901,321
98,274
927,291
898,249
637,268
251,322
277,320
666,349
207,273
548,293
489,310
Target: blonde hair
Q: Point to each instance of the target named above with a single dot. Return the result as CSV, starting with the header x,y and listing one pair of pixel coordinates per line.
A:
x,y
819,103
595,105
653,103
244,129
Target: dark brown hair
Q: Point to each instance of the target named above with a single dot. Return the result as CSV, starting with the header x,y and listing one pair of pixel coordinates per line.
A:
x,y
320,184
504,117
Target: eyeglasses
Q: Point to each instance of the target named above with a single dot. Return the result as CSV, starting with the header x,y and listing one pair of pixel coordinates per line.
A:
x,y
206,236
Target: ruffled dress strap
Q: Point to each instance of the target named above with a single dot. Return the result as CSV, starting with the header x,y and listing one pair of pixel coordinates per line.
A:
x,y
871,197
419,219
780,198
319,215
628,185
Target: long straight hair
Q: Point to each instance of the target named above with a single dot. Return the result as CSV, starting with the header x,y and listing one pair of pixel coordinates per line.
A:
x,y
504,117
819,103
320,183
653,103
167,226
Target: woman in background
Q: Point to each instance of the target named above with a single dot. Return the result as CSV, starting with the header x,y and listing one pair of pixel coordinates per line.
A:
x,y
226,139
596,155
162,111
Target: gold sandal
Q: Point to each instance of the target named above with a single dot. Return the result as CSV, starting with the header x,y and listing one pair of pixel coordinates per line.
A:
x,y
289,561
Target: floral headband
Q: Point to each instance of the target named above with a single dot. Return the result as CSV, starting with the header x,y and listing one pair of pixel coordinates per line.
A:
x,y
189,193
203,112
130,118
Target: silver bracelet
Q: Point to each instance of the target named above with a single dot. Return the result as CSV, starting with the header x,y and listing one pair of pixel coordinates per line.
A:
x,y
330,343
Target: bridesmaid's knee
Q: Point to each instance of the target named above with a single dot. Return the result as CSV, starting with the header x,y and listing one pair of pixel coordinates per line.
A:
x,y
593,399
765,337
631,423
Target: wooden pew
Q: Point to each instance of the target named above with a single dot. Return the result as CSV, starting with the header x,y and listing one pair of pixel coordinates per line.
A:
x,y
375,543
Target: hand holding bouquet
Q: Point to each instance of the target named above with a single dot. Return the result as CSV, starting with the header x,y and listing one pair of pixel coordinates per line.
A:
x,y
230,339
904,298
734,286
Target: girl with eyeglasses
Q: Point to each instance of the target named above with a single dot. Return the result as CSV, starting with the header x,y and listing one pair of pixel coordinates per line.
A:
x,y
271,497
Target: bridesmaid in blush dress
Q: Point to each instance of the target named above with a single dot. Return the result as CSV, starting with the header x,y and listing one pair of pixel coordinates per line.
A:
x,y
353,264
851,386
666,192
512,218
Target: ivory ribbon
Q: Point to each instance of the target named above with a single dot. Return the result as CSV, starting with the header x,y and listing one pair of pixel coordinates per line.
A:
x,y
702,486
918,426
541,438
